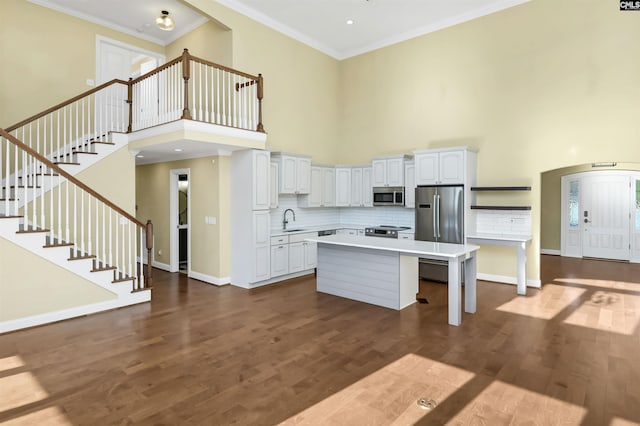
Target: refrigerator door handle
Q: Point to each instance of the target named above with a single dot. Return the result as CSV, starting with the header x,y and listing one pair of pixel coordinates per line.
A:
x,y
435,213
438,213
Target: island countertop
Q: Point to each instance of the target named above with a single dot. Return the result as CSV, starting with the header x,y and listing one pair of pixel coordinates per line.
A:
x,y
405,247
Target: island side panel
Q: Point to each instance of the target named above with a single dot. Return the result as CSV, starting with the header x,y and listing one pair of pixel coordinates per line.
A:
x,y
365,275
408,280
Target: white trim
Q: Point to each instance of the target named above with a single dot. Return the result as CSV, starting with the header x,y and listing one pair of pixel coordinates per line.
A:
x,y
198,126
322,47
100,40
210,279
551,252
276,279
161,265
99,21
507,280
174,241
49,317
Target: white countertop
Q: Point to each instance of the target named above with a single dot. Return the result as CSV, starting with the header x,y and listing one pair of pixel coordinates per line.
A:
x,y
516,238
410,247
331,226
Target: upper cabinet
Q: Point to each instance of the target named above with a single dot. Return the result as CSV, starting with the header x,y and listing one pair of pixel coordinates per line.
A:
x,y
273,186
294,173
343,186
444,166
261,166
388,171
367,187
409,184
322,188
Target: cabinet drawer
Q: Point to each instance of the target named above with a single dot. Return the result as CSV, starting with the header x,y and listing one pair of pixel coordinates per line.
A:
x,y
297,238
405,236
281,239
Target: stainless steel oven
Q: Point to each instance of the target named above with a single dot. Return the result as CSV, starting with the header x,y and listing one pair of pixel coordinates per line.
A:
x,y
384,231
388,196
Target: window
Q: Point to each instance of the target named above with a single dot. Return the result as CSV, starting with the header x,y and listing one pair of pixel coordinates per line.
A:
x,y
574,207
638,204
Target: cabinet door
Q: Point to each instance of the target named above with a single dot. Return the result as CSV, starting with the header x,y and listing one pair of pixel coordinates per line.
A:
x,y
288,175
296,257
426,169
261,228
451,167
410,185
279,260
315,191
356,187
328,187
395,172
310,255
261,246
273,187
261,170
261,267
303,175
367,187
343,186
379,177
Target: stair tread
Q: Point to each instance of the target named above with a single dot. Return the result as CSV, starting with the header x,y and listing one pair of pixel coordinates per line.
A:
x,y
31,231
105,268
138,290
4,216
84,152
64,162
86,256
61,244
124,279
103,143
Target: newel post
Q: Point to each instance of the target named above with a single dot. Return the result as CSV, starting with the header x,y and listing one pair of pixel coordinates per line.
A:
x,y
186,73
260,95
130,102
149,247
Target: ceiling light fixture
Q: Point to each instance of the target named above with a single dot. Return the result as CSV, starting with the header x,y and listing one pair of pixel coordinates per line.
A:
x,y
177,149
165,22
350,21
140,156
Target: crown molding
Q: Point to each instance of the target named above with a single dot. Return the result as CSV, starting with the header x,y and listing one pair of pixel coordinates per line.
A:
x,y
340,55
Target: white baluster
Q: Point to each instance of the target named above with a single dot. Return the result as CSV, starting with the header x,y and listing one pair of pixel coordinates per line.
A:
x,y
66,207
200,89
89,228
82,237
206,94
217,95
110,236
131,254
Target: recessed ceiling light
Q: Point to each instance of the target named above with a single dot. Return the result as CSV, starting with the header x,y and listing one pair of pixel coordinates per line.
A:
x,y
140,156
350,21
177,149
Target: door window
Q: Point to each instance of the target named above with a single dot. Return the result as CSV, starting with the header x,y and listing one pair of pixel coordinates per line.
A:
x,y
574,206
638,205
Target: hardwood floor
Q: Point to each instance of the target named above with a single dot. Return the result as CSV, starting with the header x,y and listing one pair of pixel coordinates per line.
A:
x,y
204,355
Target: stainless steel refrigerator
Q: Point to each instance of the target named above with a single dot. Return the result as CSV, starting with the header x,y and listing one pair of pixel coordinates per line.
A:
x,y
439,218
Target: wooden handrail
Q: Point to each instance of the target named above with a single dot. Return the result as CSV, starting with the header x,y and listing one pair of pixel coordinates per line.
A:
x,y
157,70
67,176
223,68
65,103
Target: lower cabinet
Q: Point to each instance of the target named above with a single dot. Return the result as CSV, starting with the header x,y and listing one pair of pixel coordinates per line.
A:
x,y
296,257
279,260
346,231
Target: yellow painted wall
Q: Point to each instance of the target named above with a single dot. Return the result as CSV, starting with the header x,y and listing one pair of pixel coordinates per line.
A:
x,y
550,204
540,86
47,57
210,41
301,96
30,285
209,196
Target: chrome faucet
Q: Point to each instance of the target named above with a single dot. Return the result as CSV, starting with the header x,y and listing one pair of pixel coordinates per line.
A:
x,y
284,218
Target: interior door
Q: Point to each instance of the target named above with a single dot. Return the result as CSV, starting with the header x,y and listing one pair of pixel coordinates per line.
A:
x,y
605,215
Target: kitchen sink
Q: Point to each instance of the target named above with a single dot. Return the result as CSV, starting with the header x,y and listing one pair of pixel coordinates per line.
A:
x,y
293,230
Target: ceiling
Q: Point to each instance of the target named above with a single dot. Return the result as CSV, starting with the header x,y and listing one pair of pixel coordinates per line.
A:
x,y
139,19
322,24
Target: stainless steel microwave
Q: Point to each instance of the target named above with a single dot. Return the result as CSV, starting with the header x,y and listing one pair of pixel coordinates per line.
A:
x,y
388,196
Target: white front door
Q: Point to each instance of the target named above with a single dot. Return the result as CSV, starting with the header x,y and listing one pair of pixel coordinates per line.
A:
x,y
605,216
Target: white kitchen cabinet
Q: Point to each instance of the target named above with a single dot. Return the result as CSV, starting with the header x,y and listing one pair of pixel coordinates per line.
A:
x,y
310,255
322,188
279,260
294,173
346,231
388,171
343,186
296,257
328,187
273,187
250,217
356,187
409,185
367,187
442,167
405,236
261,242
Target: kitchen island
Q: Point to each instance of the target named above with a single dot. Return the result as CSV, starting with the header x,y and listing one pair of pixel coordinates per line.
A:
x,y
384,271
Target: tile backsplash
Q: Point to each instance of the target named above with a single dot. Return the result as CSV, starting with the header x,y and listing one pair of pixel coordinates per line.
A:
x,y
365,216
503,222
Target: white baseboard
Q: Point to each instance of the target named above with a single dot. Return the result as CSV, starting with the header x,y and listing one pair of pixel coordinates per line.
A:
x,y
209,278
275,280
161,265
78,311
507,280
551,252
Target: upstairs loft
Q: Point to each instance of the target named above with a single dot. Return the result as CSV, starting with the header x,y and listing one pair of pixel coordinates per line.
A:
x,y
188,104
